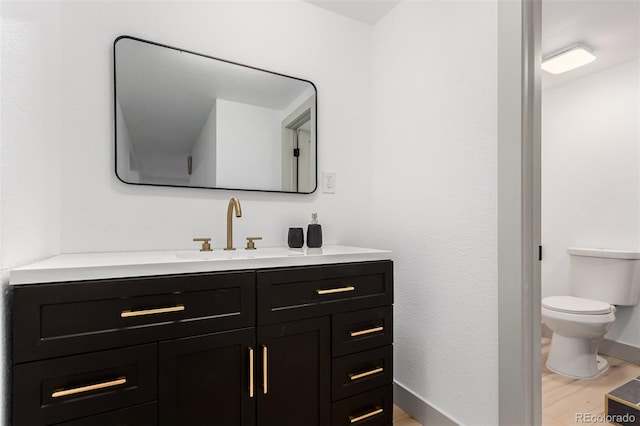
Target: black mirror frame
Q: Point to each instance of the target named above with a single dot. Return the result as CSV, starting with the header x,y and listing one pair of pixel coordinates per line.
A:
x,y
115,120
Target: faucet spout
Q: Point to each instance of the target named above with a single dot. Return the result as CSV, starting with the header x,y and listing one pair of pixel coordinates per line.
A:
x,y
234,203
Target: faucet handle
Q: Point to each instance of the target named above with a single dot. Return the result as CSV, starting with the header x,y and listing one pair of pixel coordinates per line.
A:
x,y
250,244
205,243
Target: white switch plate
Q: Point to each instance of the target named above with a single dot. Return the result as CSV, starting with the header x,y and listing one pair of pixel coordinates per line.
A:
x,y
329,182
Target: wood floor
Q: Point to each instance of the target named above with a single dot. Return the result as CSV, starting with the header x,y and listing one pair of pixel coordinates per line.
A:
x,y
400,418
563,398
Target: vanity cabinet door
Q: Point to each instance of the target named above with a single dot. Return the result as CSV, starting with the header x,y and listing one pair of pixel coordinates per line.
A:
x,y
205,380
294,373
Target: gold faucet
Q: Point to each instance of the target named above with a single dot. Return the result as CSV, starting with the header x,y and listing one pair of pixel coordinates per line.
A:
x,y
233,203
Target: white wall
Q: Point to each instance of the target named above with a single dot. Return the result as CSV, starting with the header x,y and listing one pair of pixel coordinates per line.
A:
x,y
407,124
591,176
203,153
31,102
435,202
30,140
164,168
253,136
286,37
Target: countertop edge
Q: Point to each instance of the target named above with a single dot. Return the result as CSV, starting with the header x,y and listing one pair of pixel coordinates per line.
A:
x,y
27,276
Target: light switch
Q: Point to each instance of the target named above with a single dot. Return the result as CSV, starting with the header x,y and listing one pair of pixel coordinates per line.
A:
x,y
329,182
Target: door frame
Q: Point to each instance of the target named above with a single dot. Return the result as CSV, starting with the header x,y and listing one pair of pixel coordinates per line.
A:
x,y
289,126
519,214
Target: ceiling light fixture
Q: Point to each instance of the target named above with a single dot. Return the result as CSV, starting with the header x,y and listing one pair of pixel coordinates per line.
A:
x,y
567,60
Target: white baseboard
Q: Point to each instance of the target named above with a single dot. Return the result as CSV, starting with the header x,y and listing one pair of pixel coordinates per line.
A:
x,y
419,409
619,350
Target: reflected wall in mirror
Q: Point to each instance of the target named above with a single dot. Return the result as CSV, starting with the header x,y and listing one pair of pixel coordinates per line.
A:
x,y
191,120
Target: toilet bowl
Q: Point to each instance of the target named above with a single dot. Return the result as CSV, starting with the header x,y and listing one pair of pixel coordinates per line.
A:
x,y
600,280
578,325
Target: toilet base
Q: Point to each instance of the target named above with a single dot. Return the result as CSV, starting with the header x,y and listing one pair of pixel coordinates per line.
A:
x,y
575,358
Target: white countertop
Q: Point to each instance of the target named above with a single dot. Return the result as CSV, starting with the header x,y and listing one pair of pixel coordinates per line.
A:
x,y
95,266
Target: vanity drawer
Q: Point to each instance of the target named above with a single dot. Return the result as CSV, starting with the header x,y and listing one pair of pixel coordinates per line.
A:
x,y
361,330
53,391
139,415
306,292
374,408
60,319
363,371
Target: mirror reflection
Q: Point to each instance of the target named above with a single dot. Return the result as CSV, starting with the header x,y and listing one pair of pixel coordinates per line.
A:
x,y
186,119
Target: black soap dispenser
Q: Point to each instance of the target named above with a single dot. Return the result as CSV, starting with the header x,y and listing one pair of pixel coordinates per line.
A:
x,y
314,232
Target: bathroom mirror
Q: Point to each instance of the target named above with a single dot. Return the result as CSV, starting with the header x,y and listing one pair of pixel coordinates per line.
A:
x,y
191,120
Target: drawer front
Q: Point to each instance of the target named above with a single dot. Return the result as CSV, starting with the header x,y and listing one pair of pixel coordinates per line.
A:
x,y
374,408
53,391
361,372
361,330
296,293
139,415
59,319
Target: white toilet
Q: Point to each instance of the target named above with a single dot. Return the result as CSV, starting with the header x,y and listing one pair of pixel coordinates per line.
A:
x,y
600,278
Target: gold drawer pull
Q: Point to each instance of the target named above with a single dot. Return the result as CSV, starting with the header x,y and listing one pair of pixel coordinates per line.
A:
x,y
367,331
250,372
336,290
366,373
365,416
127,314
82,389
264,369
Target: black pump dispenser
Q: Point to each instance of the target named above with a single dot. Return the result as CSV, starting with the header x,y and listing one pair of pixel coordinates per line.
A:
x,y
314,232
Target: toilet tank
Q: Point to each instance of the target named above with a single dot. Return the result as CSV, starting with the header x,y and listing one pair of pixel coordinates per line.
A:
x,y
611,276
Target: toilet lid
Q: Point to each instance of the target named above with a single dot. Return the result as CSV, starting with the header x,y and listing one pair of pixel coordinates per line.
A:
x,y
576,305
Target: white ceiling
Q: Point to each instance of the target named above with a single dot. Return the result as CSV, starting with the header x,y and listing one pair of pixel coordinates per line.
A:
x,y
367,11
611,28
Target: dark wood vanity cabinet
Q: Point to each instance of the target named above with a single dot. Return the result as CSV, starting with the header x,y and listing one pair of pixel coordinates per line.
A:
x,y
284,346
205,379
294,373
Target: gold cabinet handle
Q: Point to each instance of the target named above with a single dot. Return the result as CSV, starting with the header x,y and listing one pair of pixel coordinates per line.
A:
x,y
127,314
88,388
250,372
366,373
365,416
264,370
336,290
367,331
